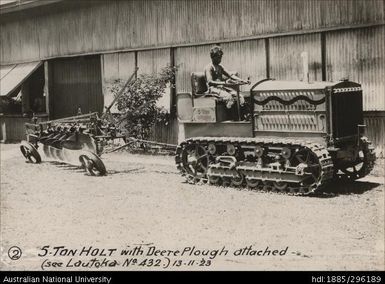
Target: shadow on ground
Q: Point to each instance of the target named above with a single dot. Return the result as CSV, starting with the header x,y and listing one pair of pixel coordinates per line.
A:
x,y
79,169
67,167
345,188
127,171
334,189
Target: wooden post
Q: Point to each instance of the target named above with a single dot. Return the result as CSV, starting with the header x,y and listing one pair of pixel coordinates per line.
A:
x,y
25,99
46,88
136,63
173,88
238,105
323,56
267,54
3,130
305,66
102,79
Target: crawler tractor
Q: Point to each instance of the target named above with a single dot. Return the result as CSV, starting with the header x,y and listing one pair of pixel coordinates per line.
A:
x,y
298,138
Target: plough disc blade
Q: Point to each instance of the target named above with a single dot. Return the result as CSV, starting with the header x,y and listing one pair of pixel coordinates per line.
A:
x,y
88,160
80,141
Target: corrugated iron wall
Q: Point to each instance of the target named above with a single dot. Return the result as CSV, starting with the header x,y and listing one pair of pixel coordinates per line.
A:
x,y
248,58
375,130
359,52
12,128
285,57
121,65
123,25
118,65
360,56
152,61
190,59
115,66
114,25
165,133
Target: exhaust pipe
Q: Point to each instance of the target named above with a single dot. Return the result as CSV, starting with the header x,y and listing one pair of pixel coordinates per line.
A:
x,y
305,66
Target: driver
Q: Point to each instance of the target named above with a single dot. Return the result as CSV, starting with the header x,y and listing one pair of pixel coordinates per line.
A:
x,y
215,75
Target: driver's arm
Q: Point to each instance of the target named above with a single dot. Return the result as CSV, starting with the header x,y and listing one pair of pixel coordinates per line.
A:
x,y
233,76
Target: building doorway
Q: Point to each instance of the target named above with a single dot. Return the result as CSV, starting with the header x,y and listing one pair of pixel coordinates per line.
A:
x,y
75,86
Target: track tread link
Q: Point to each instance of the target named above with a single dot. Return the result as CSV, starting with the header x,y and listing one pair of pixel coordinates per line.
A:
x,y
369,154
325,160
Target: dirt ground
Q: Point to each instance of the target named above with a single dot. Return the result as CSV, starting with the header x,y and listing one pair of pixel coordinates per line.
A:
x,y
144,202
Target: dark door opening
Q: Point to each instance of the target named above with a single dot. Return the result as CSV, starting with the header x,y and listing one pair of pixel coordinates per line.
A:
x,y
37,96
75,85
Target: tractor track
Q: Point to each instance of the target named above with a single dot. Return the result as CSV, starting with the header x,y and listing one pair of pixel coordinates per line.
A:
x,y
323,158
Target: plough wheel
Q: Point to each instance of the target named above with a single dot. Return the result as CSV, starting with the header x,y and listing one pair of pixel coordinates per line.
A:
x,y
92,164
30,152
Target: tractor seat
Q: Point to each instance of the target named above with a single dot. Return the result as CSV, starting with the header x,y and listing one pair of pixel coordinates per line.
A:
x,y
207,107
198,84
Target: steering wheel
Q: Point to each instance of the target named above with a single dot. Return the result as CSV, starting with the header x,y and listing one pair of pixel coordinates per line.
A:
x,y
232,82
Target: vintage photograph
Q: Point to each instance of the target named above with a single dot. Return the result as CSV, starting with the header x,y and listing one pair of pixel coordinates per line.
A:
x,y
191,135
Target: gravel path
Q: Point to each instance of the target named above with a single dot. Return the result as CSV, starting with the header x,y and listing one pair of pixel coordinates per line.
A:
x,y
143,201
